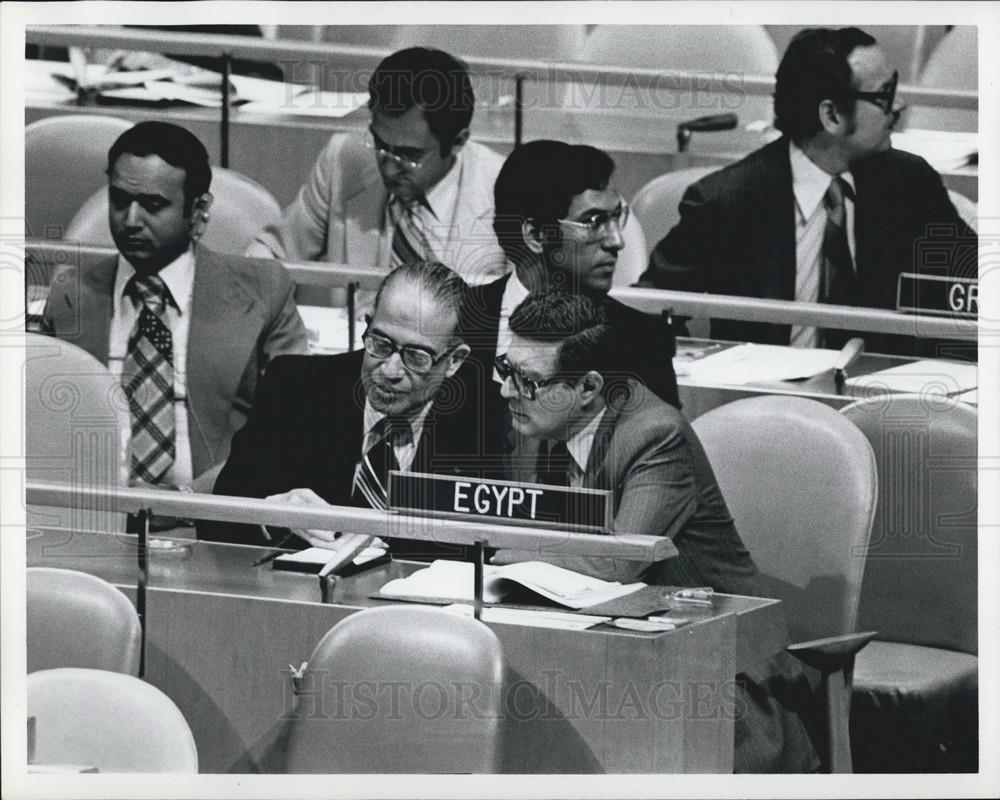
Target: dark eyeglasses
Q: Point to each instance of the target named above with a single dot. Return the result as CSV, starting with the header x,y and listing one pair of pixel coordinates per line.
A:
x,y
883,98
385,151
523,385
599,223
416,359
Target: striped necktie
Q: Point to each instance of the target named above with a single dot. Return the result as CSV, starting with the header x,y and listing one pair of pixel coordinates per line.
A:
x,y
838,281
371,484
409,240
148,381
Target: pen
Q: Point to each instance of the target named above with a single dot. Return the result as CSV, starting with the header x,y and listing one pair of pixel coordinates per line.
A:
x,y
274,553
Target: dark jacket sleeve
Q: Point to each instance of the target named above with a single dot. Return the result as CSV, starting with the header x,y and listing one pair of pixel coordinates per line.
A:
x,y
679,260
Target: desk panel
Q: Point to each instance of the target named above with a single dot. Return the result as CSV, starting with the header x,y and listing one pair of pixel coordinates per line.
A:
x,y
221,636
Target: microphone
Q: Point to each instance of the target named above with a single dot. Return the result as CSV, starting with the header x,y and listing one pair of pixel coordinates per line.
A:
x,y
849,353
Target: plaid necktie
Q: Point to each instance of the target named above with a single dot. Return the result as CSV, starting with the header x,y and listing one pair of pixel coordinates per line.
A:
x,y
553,464
148,381
371,485
838,282
409,241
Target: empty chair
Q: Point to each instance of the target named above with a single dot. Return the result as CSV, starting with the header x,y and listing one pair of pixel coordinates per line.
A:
x,y
79,620
76,430
954,64
632,258
65,159
916,686
240,208
801,486
733,50
396,683
114,722
656,205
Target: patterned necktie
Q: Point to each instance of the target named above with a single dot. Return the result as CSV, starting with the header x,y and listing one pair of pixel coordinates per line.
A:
x,y
148,381
371,485
838,282
409,241
553,464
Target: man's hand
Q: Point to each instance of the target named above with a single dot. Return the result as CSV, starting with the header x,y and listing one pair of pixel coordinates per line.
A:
x,y
308,497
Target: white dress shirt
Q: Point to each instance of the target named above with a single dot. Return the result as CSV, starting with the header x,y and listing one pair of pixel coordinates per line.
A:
x,y
179,279
579,446
809,185
513,294
436,218
405,453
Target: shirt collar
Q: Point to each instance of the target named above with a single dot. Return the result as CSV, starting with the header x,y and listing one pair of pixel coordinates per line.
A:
x,y
443,194
178,276
809,182
373,418
513,295
581,442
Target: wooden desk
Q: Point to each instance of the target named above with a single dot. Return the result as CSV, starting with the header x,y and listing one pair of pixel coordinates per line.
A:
x,y
221,636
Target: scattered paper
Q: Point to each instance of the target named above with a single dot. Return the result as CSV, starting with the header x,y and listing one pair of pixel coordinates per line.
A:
x,y
926,377
531,618
755,363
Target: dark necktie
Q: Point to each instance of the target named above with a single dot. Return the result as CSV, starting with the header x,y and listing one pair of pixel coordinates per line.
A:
x,y
838,282
148,381
409,241
371,486
553,463
838,279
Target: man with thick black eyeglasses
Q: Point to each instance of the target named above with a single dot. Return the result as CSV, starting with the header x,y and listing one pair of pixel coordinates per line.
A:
x,y
412,187
827,213
328,429
561,222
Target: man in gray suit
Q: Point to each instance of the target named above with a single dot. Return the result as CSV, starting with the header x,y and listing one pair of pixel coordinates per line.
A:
x,y
602,431
412,188
188,330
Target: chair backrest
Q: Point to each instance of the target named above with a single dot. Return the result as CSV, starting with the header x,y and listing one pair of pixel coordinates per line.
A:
x,y
920,583
954,64
395,683
541,42
736,50
76,429
240,209
79,620
656,205
65,159
801,486
967,209
115,722
633,257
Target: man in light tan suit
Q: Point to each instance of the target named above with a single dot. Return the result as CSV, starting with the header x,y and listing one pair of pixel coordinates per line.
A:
x,y
414,163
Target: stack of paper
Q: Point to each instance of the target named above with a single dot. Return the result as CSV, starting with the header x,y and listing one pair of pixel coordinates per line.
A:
x,y
756,363
928,377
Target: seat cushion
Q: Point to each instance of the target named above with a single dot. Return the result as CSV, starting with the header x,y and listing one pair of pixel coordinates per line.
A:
x,y
914,709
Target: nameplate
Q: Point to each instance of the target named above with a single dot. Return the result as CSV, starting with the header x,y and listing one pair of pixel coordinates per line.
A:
x,y
504,502
936,294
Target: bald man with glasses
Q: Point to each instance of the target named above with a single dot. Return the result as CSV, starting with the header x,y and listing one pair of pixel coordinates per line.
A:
x,y
829,212
326,430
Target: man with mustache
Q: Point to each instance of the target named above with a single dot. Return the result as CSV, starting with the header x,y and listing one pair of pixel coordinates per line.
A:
x,y
827,213
189,330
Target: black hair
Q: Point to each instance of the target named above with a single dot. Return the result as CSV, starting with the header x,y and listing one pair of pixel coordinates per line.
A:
x,y
429,79
176,145
813,69
538,181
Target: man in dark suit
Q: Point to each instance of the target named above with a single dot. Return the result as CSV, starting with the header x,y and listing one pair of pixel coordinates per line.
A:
x,y
559,220
827,213
327,429
214,320
600,433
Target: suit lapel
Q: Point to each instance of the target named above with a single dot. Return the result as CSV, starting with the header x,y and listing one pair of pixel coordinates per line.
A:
x,y
775,223
91,313
221,339
363,218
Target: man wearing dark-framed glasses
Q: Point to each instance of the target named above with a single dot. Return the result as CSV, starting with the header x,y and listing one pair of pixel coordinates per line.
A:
x,y
329,428
410,187
562,224
829,212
